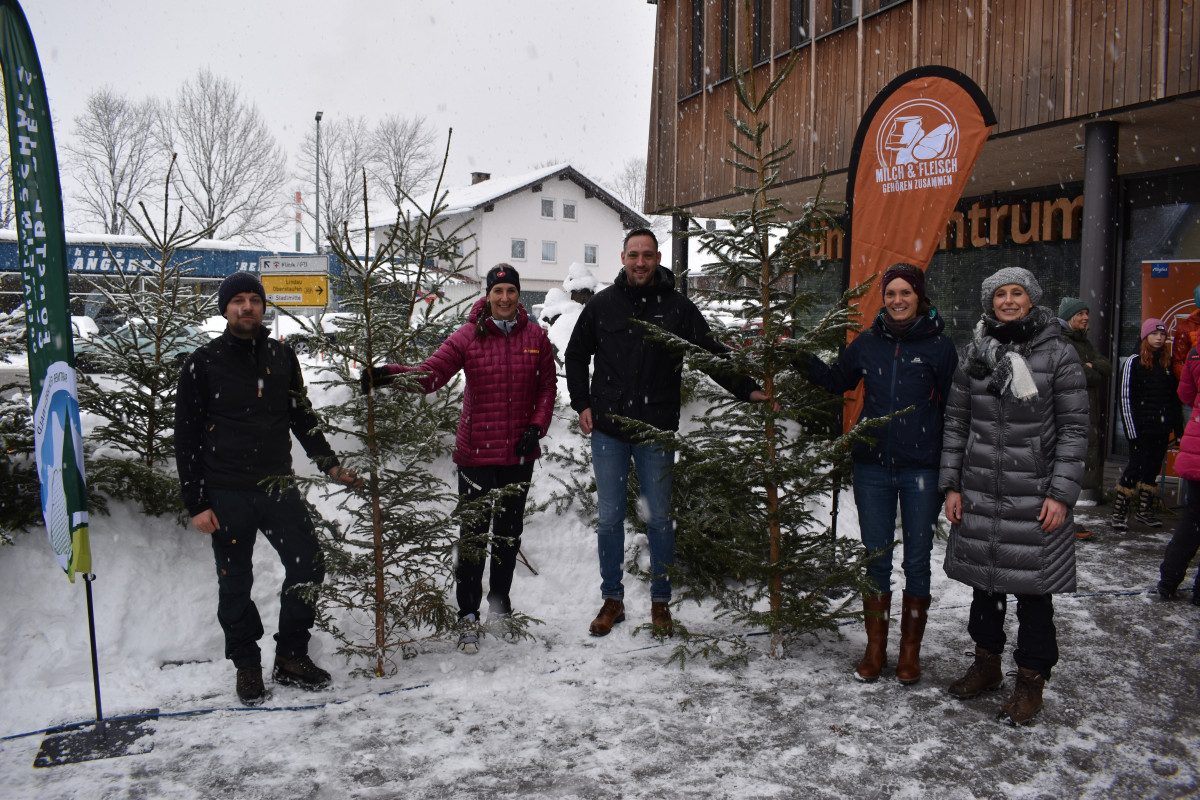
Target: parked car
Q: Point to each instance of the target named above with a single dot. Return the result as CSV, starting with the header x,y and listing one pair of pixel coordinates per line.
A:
x,y
95,352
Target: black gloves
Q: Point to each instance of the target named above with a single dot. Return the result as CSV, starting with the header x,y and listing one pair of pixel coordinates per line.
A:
x,y
528,444
379,376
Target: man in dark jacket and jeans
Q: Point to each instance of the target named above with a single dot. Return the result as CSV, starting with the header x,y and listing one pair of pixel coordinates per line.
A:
x,y
638,378
240,398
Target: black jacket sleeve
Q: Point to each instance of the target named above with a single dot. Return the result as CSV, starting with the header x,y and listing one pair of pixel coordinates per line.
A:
x,y
698,333
304,422
578,359
190,411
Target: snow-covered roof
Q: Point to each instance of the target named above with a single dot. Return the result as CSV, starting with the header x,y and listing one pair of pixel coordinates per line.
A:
x,y
465,199
122,240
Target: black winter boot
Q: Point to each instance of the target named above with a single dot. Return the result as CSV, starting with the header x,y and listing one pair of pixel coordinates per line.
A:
x,y
1119,519
300,671
250,689
1145,509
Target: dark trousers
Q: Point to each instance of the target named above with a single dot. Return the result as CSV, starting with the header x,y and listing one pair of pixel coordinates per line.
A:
x,y
1184,544
283,519
1037,641
1146,454
506,518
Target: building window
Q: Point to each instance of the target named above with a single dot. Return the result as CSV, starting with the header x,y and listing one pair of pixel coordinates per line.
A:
x,y
696,61
726,67
518,250
568,210
843,12
549,252
591,254
547,208
761,33
800,31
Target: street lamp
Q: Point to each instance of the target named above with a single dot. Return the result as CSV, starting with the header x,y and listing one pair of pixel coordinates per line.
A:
x,y
317,214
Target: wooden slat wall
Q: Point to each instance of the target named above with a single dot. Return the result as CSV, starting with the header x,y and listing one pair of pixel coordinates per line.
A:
x,y
1035,64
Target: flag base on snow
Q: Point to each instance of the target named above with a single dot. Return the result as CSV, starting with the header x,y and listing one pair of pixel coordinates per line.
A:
x,y
92,742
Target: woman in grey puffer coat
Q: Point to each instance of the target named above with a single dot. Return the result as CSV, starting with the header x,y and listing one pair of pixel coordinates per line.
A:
x,y
1012,467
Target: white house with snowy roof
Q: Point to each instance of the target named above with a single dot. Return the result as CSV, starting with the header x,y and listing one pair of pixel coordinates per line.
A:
x,y
540,222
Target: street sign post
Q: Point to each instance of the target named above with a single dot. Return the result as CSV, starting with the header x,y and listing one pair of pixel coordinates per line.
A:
x,y
293,265
310,291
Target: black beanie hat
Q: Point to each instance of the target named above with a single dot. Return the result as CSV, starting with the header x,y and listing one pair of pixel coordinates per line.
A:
x,y
237,283
503,273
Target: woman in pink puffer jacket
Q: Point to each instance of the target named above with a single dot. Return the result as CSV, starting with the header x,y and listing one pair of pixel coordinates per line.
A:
x,y
507,406
1183,545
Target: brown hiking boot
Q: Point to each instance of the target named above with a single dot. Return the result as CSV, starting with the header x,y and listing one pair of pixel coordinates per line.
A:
x,y
250,689
300,671
612,612
984,675
1026,700
879,608
913,615
660,617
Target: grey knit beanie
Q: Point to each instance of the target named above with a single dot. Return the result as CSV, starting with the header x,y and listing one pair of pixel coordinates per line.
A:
x,y
1018,275
1069,307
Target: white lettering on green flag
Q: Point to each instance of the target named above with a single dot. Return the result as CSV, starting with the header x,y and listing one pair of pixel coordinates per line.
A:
x,y
57,437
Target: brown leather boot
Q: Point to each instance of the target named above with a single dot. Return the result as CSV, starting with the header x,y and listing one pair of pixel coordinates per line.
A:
x,y
1026,700
985,675
877,630
914,611
612,612
660,617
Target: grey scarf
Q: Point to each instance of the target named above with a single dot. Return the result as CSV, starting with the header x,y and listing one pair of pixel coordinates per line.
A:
x,y
1000,350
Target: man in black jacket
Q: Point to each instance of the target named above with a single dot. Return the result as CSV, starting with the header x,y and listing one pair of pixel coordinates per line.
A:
x,y
637,378
240,398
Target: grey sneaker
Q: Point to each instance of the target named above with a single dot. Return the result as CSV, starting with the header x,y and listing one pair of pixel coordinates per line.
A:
x,y
468,634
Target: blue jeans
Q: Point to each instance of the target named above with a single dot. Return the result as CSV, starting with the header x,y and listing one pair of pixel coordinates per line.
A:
x,y
654,464
876,490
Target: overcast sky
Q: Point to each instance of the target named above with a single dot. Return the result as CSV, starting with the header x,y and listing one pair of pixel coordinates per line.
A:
x,y
521,82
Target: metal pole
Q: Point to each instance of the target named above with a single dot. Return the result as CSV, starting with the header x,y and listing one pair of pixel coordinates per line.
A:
x,y
87,582
317,207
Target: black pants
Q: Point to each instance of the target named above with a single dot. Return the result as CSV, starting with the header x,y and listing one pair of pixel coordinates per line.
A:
x,y
1184,544
284,520
506,519
1146,454
1037,641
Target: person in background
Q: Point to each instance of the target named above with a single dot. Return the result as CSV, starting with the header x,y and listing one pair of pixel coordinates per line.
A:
x,y
903,359
1150,411
240,399
636,377
1186,336
1075,315
1012,466
507,406
1186,541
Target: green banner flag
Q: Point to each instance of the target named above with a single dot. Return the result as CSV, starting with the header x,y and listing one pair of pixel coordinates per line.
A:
x,y
58,439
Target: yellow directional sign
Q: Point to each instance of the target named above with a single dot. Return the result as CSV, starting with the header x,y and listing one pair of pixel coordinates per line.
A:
x,y
297,290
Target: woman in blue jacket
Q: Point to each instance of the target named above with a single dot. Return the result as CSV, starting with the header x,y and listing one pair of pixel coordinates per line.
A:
x,y
903,359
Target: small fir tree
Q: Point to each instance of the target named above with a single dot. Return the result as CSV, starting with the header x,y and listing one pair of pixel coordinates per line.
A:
x,y
390,559
750,478
140,362
20,498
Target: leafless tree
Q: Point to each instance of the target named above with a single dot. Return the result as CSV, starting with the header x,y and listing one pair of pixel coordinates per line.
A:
x,y
113,155
229,164
7,201
346,150
630,183
404,156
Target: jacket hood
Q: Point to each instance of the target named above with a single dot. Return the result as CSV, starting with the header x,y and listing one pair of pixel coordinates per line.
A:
x,y
923,327
664,281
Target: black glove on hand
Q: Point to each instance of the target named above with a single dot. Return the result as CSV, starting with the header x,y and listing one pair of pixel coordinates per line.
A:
x,y
528,444
379,376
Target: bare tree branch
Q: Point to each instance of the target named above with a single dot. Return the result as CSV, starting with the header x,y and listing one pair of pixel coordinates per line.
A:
x,y
229,163
404,161
113,155
346,149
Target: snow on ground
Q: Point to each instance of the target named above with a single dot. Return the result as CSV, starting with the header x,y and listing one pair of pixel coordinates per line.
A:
x,y
574,716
